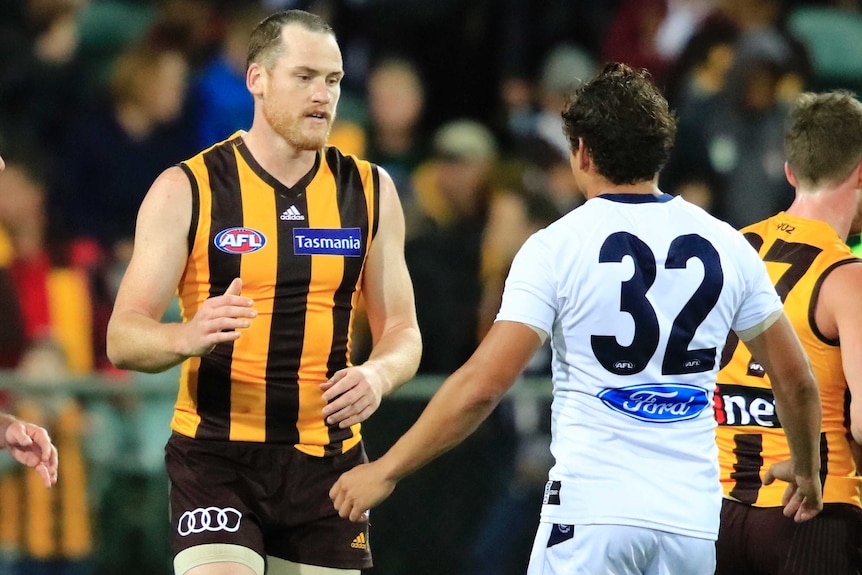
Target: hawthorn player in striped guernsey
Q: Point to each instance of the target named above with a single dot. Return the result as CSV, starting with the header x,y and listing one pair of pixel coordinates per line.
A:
x,y
818,279
270,238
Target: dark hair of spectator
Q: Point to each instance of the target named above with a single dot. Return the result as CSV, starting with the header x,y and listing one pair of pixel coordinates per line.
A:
x,y
625,124
823,139
265,45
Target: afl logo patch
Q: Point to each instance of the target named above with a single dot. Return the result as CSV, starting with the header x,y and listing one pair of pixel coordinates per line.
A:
x,y
239,240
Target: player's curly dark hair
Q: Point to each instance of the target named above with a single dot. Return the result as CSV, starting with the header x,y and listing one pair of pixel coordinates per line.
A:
x,y
625,124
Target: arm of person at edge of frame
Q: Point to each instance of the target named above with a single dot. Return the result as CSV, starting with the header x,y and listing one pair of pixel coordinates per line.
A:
x,y
797,399
30,445
354,393
841,306
456,410
137,339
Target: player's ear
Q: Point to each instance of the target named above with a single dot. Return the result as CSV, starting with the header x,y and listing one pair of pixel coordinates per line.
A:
x,y
788,172
255,79
584,158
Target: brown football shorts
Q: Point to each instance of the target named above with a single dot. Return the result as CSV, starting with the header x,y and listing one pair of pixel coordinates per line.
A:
x,y
761,540
272,499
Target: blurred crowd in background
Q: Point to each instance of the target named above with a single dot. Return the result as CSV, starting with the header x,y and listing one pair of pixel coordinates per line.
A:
x,y
458,100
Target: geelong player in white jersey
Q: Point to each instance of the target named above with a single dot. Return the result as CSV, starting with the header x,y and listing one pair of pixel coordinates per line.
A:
x,y
637,291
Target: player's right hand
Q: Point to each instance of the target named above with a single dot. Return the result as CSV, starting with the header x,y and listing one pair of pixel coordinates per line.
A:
x,y
360,489
218,320
31,445
803,498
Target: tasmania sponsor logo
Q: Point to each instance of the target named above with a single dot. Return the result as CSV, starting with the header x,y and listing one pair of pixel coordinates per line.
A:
x,y
327,241
737,405
239,240
657,402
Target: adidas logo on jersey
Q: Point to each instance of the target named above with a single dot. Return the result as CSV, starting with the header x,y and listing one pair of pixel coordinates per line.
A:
x,y
292,214
359,542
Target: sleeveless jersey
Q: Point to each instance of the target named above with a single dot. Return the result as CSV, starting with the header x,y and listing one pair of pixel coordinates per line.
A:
x,y
300,252
799,253
638,294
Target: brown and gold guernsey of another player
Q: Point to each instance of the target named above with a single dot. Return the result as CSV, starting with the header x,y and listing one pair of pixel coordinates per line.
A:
x,y
799,253
264,387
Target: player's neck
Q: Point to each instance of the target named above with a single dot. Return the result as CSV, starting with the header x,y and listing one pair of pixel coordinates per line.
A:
x,y
835,206
601,186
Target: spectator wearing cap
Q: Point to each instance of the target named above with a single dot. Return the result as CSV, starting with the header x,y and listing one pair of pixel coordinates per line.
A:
x,y
445,231
563,67
453,183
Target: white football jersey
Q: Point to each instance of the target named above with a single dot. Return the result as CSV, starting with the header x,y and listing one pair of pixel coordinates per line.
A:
x,y
638,294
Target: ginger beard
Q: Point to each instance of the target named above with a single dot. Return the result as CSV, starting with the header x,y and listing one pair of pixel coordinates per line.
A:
x,y
292,127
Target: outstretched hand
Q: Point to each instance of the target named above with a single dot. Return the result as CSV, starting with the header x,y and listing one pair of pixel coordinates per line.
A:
x,y
803,498
360,489
218,320
31,445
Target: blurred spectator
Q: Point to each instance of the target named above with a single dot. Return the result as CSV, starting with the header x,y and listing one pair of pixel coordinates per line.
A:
x,y
55,297
395,141
548,175
451,42
112,152
444,245
701,69
50,529
106,28
754,17
729,149
526,197
40,79
12,339
633,36
219,95
564,67
529,31
190,27
682,20
385,122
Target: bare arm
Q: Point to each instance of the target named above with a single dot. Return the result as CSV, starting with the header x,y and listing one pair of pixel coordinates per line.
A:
x,y
839,314
397,345
461,404
797,401
137,339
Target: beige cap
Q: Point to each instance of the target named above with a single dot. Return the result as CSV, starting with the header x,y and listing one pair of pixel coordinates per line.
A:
x,y
466,140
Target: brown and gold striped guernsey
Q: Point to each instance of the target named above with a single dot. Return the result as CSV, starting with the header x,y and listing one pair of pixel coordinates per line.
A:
x,y
300,252
798,253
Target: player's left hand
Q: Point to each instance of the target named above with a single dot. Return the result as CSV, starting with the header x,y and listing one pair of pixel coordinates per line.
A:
x,y
352,395
803,498
31,445
360,489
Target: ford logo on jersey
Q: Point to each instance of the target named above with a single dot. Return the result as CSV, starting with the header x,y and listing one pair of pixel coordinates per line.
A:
x,y
239,240
327,241
657,402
